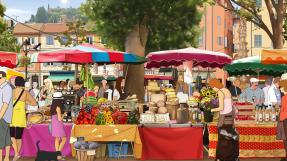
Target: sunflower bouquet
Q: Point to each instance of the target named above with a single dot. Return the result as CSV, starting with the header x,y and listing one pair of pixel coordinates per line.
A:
x,y
209,101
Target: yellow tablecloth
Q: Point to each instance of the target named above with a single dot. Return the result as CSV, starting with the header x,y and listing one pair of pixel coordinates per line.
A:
x,y
109,133
255,140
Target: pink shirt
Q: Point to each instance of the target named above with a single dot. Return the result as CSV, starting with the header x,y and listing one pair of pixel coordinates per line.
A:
x,y
227,108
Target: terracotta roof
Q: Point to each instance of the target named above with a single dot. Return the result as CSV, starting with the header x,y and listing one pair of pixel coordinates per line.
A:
x,y
55,27
21,29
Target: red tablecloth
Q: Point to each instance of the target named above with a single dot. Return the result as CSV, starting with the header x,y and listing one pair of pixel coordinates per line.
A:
x,y
41,132
172,143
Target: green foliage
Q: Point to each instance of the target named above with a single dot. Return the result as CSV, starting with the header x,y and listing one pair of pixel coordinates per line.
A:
x,y
74,28
171,24
8,42
2,10
53,15
41,15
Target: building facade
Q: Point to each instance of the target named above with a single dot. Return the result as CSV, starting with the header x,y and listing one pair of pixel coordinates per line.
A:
x,y
256,38
216,29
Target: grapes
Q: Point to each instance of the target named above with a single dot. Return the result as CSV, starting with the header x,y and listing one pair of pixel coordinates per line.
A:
x,y
88,108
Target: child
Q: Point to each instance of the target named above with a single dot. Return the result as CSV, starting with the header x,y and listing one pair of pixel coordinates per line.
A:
x,y
57,127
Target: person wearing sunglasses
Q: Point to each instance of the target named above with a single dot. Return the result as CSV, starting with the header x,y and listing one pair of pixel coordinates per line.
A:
x,y
253,94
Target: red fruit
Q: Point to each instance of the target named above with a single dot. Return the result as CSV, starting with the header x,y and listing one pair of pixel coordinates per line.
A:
x,y
86,122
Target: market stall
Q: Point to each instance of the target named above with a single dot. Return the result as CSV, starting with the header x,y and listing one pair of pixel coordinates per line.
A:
x,y
253,66
274,56
255,140
8,59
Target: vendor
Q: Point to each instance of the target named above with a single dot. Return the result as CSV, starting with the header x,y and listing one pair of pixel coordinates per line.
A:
x,y
103,88
120,86
80,91
253,93
181,86
46,93
113,94
235,88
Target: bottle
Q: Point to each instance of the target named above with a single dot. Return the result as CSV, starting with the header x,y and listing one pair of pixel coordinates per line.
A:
x,y
256,114
267,115
202,116
199,115
193,115
260,115
263,113
273,115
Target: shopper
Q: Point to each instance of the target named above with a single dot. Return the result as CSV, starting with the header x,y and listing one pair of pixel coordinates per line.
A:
x,y
274,94
47,93
21,98
6,111
57,125
228,150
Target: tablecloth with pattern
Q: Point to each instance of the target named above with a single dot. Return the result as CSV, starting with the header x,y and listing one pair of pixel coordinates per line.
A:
x,y
256,140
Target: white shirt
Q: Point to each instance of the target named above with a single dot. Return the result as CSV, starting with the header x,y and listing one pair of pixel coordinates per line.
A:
x,y
265,90
116,94
270,96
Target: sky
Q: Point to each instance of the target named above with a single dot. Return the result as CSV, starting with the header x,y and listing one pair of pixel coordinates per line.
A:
x,y
23,9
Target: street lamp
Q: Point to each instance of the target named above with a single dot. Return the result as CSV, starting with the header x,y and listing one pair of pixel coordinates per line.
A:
x,y
26,49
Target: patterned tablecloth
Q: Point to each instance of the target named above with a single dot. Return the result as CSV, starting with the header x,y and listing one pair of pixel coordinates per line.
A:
x,y
256,140
110,133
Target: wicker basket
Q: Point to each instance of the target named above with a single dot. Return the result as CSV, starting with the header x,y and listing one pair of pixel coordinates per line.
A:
x,y
35,117
85,155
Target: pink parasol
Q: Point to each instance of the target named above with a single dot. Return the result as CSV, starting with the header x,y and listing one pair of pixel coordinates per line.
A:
x,y
200,57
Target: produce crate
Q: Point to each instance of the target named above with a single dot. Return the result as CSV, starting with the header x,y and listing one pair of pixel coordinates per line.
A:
x,y
85,155
101,151
114,149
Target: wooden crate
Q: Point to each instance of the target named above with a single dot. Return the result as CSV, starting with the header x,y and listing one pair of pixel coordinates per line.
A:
x,y
85,155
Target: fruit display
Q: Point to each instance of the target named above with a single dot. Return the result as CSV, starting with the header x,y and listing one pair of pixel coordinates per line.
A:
x,y
120,117
153,86
90,98
87,115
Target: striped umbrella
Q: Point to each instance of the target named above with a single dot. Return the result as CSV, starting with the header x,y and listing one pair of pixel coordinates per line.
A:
x,y
86,54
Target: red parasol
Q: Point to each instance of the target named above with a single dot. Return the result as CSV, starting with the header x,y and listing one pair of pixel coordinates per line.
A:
x,y
200,57
8,59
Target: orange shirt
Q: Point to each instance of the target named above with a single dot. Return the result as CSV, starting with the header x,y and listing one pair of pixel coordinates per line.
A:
x,y
283,112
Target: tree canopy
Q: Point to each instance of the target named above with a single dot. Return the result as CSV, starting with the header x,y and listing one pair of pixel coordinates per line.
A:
x,y
140,26
7,40
171,24
250,10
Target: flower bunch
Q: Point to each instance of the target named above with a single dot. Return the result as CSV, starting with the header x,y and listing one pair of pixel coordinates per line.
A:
x,y
24,61
193,101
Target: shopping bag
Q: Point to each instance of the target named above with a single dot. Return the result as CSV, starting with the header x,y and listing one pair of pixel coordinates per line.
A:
x,y
280,135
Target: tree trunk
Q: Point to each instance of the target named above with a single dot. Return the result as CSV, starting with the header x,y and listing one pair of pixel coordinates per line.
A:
x,y
277,38
135,43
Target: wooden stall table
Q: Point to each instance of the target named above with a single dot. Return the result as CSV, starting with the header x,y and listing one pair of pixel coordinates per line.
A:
x,y
110,133
180,143
255,140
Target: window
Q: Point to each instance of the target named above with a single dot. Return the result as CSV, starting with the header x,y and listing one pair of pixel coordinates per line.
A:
x,y
218,20
225,42
89,39
257,40
219,40
31,40
49,40
258,3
